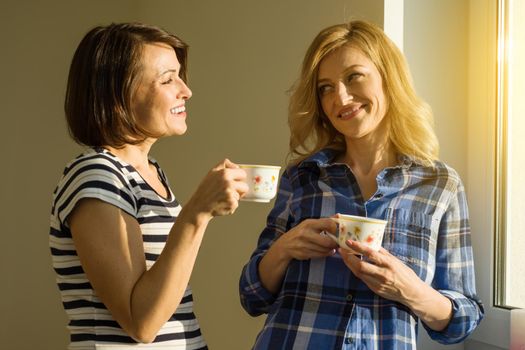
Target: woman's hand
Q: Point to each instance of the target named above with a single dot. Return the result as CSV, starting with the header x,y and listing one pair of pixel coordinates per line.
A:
x,y
382,272
307,241
303,242
220,190
388,277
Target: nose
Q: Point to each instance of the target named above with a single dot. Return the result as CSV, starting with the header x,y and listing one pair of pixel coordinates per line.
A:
x,y
184,91
343,94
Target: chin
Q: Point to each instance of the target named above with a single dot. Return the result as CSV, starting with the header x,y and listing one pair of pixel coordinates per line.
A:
x,y
178,131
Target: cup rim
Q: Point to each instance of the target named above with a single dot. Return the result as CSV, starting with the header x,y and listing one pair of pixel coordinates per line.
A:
x,y
349,217
259,166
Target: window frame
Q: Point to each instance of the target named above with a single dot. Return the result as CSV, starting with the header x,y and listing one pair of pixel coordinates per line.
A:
x,y
501,236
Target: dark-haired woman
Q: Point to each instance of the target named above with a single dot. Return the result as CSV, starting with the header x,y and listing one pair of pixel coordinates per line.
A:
x,y
123,248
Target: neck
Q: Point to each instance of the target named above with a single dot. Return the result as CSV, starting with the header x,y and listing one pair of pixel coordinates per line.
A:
x,y
369,154
134,155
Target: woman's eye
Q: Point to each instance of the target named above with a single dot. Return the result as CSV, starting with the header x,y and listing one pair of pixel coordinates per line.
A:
x,y
353,76
167,81
323,89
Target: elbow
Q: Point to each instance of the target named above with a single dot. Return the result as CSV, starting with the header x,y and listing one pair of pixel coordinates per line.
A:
x,y
142,334
145,338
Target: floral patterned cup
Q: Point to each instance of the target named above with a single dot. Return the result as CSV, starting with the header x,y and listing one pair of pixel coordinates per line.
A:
x,y
262,181
368,231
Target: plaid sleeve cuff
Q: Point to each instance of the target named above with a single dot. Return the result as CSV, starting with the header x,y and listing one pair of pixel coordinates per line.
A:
x,y
255,299
466,315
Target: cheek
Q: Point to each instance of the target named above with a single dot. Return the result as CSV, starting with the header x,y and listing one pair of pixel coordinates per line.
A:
x,y
325,106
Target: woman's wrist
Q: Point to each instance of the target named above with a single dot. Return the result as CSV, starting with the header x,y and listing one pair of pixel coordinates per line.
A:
x,y
193,215
273,266
433,308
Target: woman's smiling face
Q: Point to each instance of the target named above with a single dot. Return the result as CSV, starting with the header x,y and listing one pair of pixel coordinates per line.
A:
x,y
160,97
350,89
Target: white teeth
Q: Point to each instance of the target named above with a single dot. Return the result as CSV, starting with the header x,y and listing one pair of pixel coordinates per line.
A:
x,y
353,110
176,110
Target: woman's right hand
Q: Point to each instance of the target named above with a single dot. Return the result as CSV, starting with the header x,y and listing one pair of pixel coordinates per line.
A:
x,y
306,241
302,242
220,190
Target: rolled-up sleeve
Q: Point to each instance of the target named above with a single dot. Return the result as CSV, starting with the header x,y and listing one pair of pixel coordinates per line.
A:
x,y
256,299
454,275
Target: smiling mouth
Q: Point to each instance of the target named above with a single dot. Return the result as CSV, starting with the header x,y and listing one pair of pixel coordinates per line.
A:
x,y
177,110
350,113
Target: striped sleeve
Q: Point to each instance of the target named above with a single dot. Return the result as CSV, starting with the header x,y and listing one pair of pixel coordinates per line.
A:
x,y
93,177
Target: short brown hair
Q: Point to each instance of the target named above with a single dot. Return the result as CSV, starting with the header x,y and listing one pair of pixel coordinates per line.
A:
x,y
103,77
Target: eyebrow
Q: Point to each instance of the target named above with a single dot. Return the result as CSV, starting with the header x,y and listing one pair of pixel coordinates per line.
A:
x,y
344,72
168,71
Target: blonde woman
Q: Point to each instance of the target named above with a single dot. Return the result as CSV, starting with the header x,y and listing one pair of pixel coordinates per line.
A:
x,y
362,143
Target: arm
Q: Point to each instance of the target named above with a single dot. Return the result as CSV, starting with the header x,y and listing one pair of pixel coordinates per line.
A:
x,y
263,275
449,308
109,245
301,243
454,276
388,277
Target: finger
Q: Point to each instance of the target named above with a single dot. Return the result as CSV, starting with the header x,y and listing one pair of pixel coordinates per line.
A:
x,y
319,253
236,173
351,260
359,247
242,188
373,256
224,164
228,164
322,224
321,249
322,240
360,262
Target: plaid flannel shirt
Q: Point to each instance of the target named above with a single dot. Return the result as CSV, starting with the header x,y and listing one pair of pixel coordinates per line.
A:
x,y
321,304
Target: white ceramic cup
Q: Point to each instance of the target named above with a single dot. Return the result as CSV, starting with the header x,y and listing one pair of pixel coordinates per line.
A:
x,y
262,182
368,231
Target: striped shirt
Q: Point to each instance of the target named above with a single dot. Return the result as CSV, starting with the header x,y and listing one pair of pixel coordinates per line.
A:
x,y
321,304
98,174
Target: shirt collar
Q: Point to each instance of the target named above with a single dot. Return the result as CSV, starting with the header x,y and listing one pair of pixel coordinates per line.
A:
x,y
323,158
326,157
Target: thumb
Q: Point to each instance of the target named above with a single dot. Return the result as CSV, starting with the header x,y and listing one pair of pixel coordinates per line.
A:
x,y
229,164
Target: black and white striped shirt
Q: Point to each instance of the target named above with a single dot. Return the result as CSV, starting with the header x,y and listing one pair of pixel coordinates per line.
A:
x,y
99,174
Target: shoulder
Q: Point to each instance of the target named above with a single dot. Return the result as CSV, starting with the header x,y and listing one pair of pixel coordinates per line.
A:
x,y
92,169
446,172
93,174
93,159
440,175
312,163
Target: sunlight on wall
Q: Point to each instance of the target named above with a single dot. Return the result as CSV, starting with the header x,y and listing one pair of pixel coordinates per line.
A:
x,y
515,288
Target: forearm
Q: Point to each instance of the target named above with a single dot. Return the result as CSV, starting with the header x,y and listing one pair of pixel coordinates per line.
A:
x,y
158,292
432,308
272,268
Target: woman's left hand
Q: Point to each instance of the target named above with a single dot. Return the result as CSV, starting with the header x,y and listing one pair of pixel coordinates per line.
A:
x,y
388,277
382,272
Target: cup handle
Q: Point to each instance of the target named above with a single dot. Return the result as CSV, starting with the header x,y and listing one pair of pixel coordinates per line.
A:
x,y
330,235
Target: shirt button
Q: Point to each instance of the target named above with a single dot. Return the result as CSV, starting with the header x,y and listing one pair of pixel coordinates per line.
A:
x,y
349,297
349,340
379,196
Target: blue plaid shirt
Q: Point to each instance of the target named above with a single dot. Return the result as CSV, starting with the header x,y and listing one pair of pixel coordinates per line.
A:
x,y
321,304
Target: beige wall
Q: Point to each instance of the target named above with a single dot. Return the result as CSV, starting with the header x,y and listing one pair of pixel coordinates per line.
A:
x,y
244,56
435,44
38,39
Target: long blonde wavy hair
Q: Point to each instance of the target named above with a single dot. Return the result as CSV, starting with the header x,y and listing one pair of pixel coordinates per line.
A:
x,y
410,120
